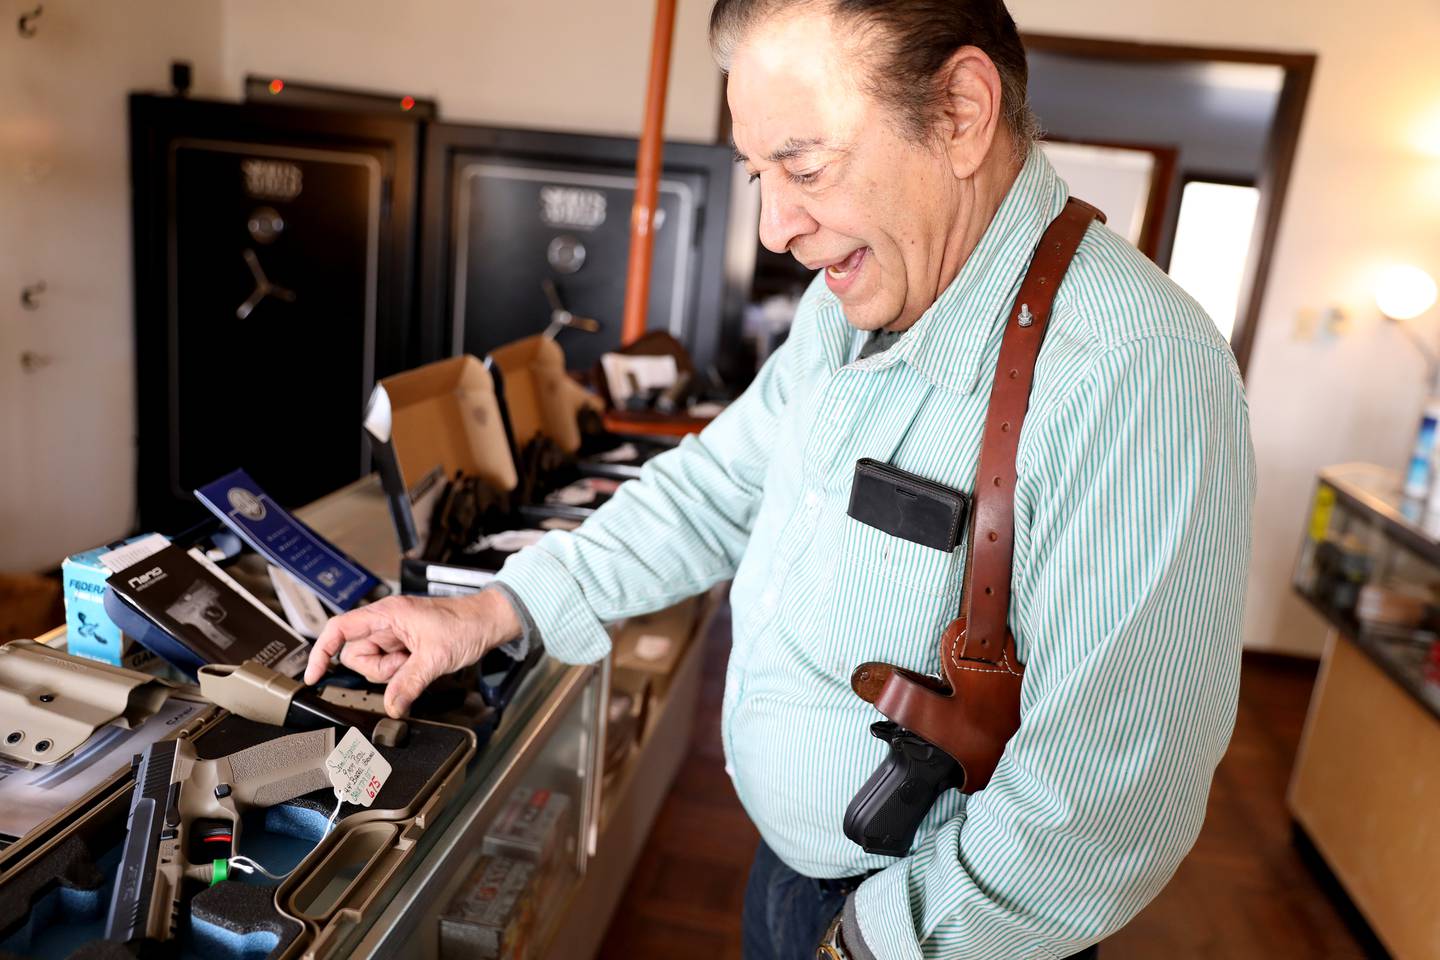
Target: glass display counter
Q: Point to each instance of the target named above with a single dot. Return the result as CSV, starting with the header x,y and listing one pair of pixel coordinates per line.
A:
x,y
1366,782
1370,564
550,742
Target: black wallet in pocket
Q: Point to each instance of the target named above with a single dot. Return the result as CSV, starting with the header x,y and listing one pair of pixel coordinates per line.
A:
x,y
906,506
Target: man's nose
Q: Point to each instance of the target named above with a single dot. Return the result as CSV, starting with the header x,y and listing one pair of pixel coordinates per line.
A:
x,y
782,218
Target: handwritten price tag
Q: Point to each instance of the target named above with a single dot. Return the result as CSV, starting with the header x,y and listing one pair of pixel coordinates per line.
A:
x,y
357,771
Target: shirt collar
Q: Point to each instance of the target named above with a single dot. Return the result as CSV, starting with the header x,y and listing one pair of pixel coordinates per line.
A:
x,y
949,341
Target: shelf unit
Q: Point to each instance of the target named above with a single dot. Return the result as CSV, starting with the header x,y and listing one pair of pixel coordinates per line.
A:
x,y
1366,782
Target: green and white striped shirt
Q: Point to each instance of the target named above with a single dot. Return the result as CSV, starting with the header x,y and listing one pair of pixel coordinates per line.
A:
x,y
1132,539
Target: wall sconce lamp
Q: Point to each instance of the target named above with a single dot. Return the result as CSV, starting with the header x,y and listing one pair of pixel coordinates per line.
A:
x,y
1403,293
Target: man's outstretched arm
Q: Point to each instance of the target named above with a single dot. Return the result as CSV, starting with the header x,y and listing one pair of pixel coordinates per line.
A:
x,y
674,532
677,530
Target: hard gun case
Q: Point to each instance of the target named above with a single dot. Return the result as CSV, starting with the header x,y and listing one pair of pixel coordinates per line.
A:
x,y
56,883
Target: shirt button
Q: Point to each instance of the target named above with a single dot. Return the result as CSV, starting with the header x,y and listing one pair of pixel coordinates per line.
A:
x,y
812,499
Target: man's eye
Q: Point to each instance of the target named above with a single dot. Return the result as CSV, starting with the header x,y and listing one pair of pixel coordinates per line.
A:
x,y
804,178
754,177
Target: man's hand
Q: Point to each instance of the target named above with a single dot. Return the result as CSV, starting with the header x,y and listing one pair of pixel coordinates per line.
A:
x,y
409,642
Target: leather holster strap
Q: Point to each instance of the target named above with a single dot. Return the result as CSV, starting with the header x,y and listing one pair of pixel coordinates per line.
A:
x,y
986,600
975,709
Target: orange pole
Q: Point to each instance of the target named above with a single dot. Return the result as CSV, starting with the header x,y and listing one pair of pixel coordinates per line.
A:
x,y
647,177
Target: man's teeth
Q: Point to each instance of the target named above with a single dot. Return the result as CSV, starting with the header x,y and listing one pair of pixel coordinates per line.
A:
x,y
845,267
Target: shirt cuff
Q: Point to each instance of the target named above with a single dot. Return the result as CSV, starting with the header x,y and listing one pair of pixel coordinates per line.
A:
x,y
855,946
519,648
881,910
556,605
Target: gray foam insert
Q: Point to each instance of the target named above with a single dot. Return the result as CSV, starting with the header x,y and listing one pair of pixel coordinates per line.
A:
x,y
227,917
68,866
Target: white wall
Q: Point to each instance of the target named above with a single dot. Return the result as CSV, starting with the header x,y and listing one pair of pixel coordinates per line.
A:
x,y
67,458
560,64
67,454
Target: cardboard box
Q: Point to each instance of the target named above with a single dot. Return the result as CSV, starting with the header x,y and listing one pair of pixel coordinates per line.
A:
x,y
529,826
445,414
541,397
89,631
627,715
653,643
492,914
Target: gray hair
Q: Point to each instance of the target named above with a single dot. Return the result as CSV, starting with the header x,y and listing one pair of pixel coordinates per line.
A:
x,y
916,38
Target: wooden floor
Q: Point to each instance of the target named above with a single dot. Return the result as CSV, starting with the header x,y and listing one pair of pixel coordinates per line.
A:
x,y
1242,893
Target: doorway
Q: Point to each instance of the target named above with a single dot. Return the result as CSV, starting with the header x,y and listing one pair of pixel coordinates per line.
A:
x,y
1230,122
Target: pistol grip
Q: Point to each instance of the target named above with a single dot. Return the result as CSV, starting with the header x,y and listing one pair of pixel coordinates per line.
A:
x,y
888,810
281,769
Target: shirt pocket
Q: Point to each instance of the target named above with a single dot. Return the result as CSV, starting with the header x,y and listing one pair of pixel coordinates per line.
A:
x,y
903,562
890,599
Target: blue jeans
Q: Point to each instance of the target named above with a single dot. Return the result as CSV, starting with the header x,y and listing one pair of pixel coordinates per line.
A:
x,y
786,912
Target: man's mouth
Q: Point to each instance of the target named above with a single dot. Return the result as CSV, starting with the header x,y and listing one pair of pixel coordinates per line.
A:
x,y
845,267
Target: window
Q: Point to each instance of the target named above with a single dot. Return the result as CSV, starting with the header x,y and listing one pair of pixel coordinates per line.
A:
x,y
1212,244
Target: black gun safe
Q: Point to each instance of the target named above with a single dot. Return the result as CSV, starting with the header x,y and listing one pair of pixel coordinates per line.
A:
x,y
288,257
274,251
505,210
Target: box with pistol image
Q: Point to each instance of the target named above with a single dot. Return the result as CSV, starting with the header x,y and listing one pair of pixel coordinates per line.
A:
x,y
187,610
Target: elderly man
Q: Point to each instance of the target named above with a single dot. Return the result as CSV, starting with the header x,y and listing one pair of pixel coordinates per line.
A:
x,y
893,147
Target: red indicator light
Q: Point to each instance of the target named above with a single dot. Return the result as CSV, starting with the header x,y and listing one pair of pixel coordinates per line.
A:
x,y
276,86
407,103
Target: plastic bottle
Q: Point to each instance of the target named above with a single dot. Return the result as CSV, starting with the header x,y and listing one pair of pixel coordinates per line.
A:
x,y
1421,471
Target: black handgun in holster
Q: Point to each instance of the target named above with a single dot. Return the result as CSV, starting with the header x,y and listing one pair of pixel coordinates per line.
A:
x,y
888,810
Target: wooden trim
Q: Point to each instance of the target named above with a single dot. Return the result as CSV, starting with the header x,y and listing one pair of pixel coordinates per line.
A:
x,y
1162,181
1274,180
1134,50
653,424
1274,185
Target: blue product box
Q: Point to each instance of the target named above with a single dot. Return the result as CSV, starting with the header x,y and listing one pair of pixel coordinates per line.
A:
x,y
89,631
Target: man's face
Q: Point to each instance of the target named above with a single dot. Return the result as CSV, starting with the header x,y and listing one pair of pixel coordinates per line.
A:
x,y
841,188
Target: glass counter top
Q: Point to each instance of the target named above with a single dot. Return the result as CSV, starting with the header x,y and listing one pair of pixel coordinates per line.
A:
x,y
1370,565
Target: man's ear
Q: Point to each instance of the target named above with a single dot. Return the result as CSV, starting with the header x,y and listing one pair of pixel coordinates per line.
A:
x,y
971,109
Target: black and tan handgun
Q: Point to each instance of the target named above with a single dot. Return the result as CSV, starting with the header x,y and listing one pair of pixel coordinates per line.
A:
x,y
185,821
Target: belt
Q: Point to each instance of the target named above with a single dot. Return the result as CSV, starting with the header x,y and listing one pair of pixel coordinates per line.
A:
x,y
841,884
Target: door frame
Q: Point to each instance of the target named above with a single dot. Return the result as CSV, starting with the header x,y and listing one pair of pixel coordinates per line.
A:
x,y
1279,157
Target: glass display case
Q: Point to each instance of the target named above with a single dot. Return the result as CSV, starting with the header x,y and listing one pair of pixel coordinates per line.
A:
x,y
550,745
543,756
1370,564
543,762
1366,780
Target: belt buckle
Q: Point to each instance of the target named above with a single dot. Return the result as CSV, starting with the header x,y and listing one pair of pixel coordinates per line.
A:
x,y
829,945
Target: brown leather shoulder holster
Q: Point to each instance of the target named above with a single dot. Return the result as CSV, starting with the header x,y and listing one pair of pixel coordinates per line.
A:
x,y
973,709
